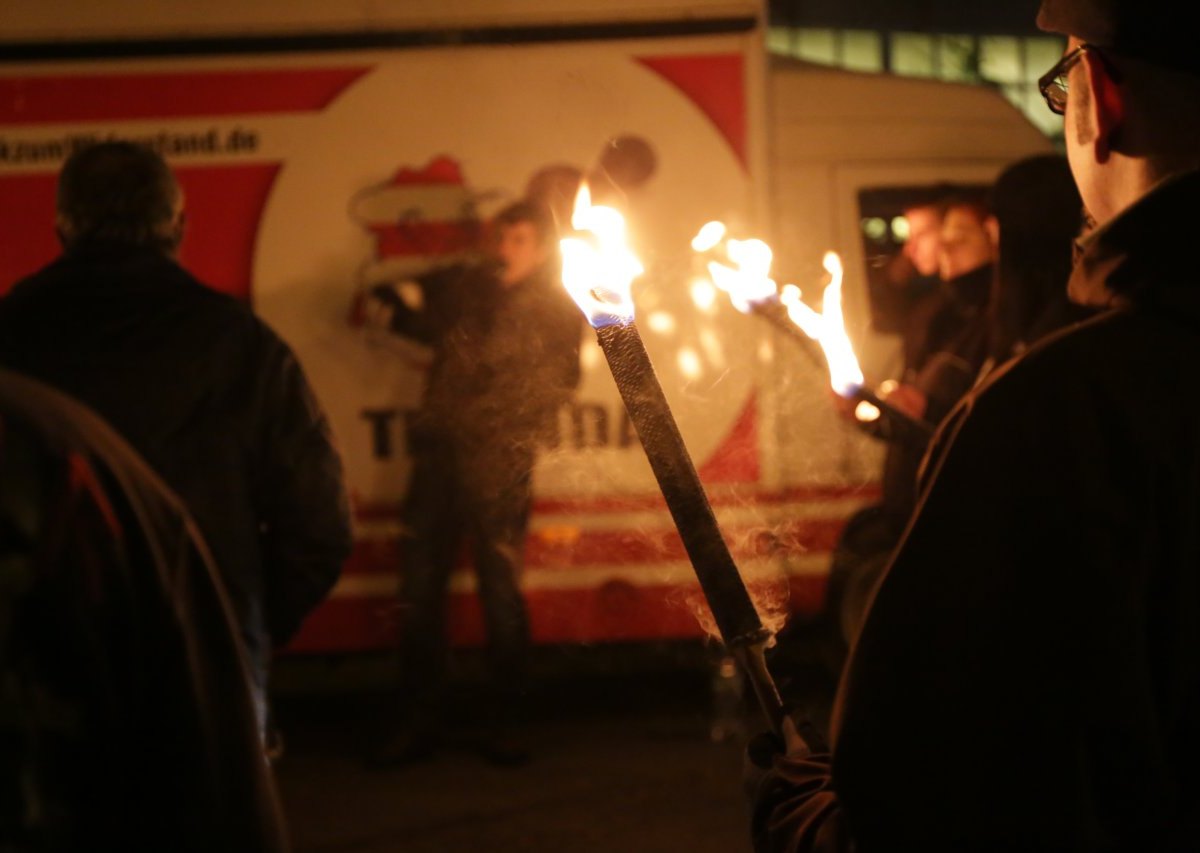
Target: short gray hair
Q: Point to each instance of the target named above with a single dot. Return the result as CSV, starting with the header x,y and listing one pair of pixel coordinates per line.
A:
x,y
119,192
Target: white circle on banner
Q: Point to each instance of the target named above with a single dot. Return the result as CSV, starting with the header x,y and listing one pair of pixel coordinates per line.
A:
x,y
501,114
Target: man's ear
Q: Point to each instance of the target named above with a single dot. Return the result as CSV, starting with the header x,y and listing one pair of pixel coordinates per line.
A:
x,y
992,226
178,225
63,230
1107,105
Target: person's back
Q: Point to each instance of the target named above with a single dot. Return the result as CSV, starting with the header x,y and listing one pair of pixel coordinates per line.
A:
x,y
213,399
126,721
1028,675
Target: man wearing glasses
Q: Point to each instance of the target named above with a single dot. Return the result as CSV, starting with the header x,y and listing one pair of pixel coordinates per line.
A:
x,y
1028,676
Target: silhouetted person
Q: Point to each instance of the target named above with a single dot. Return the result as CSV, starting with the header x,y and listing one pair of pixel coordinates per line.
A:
x,y
1038,214
944,355
126,721
904,289
203,389
1028,674
505,338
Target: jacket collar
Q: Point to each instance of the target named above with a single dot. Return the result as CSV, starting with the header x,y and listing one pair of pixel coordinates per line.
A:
x,y
113,252
1144,253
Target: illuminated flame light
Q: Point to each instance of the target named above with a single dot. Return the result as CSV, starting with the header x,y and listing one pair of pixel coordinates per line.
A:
x,y
829,329
710,237
598,265
704,295
689,363
748,280
661,322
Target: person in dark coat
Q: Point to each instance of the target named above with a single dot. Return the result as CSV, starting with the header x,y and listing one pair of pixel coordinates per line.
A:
x,y
1028,674
505,338
126,720
211,397
1038,215
944,354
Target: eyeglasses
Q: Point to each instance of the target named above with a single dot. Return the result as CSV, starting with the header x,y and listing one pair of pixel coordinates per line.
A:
x,y
1053,84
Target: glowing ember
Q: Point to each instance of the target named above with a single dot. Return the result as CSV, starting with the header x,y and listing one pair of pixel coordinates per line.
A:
x,y
828,328
598,265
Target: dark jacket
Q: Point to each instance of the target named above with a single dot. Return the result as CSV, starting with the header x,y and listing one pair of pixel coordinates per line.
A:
x,y
125,719
1028,676
504,358
943,362
214,401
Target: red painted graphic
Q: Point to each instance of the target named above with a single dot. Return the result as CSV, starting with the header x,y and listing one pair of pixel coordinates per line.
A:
x,y
716,84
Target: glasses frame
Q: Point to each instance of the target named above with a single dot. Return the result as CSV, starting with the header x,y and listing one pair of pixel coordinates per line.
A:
x,y
1055,80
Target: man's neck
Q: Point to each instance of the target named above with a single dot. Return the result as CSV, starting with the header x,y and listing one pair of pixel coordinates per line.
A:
x,y
1130,178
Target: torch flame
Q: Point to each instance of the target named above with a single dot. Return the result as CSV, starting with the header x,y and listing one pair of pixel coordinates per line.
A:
x,y
745,270
598,265
828,328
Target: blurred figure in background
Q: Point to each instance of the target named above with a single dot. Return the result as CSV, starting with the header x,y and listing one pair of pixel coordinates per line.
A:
x,y
211,397
904,289
126,720
1038,215
505,338
944,354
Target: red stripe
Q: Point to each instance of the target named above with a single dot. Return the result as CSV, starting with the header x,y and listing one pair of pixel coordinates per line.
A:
x,y
610,613
624,548
161,95
650,502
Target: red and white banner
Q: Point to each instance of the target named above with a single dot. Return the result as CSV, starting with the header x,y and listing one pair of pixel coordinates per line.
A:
x,y
310,178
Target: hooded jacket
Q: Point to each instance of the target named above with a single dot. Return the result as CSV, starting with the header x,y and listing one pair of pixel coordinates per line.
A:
x,y
1028,675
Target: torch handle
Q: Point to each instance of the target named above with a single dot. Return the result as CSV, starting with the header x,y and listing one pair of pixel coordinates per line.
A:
x,y
917,427
754,664
776,314
642,394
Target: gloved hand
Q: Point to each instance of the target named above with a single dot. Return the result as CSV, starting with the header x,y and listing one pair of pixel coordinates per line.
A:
x,y
787,782
800,740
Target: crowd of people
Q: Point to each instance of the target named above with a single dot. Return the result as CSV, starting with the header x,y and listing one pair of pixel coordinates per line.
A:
x,y
1017,614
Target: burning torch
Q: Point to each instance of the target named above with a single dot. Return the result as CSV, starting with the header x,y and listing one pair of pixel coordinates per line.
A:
x,y
598,271
742,268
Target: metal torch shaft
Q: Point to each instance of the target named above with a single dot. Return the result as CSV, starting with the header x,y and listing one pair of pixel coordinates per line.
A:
x,y
737,620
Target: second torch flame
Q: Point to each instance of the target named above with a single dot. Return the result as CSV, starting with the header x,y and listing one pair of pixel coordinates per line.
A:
x,y
741,268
